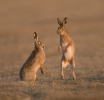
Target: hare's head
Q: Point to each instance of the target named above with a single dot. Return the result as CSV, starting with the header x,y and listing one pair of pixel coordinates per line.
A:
x,y
61,27
38,44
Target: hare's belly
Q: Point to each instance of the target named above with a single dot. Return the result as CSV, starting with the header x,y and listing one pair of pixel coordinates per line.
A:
x,y
69,54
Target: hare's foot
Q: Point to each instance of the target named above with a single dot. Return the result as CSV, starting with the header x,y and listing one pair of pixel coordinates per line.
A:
x,y
72,62
74,77
62,77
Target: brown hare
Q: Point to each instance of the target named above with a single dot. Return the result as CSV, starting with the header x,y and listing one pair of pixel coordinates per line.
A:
x,y
34,62
67,46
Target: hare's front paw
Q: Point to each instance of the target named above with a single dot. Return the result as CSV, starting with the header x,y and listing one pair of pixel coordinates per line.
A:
x,y
43,72
59,49
65,50
42,69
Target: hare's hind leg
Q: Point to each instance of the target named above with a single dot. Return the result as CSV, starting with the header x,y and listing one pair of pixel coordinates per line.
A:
x,y
62,73
32,78
64,63
72,62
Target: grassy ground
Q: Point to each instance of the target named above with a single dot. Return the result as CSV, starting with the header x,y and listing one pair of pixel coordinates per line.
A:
x,y
18,21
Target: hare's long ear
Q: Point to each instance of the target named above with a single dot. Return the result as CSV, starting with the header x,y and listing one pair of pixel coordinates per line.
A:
x,y
35,36
65,21
59,22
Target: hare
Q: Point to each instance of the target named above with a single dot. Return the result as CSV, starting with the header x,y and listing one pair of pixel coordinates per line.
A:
x,y
34,62
67,47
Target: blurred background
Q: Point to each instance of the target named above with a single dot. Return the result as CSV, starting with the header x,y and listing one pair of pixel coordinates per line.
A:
x,y
19,19
24,17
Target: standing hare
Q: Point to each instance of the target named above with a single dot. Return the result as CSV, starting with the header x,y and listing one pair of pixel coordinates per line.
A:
x,y
67,46
34,62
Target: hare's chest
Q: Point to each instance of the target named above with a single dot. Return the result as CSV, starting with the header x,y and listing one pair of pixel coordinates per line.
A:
x,y
69,53
63,45
63,42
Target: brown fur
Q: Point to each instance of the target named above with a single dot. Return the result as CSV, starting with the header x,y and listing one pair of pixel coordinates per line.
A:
x,y
34,62
67,46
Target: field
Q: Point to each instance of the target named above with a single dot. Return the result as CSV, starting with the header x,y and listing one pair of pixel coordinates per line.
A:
x,y
20,18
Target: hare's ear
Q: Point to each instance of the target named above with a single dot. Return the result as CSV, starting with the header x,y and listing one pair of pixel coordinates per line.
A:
x,y
65,21
59,22
35,36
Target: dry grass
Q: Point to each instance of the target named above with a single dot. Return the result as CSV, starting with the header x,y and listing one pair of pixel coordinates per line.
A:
x,y
18,21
